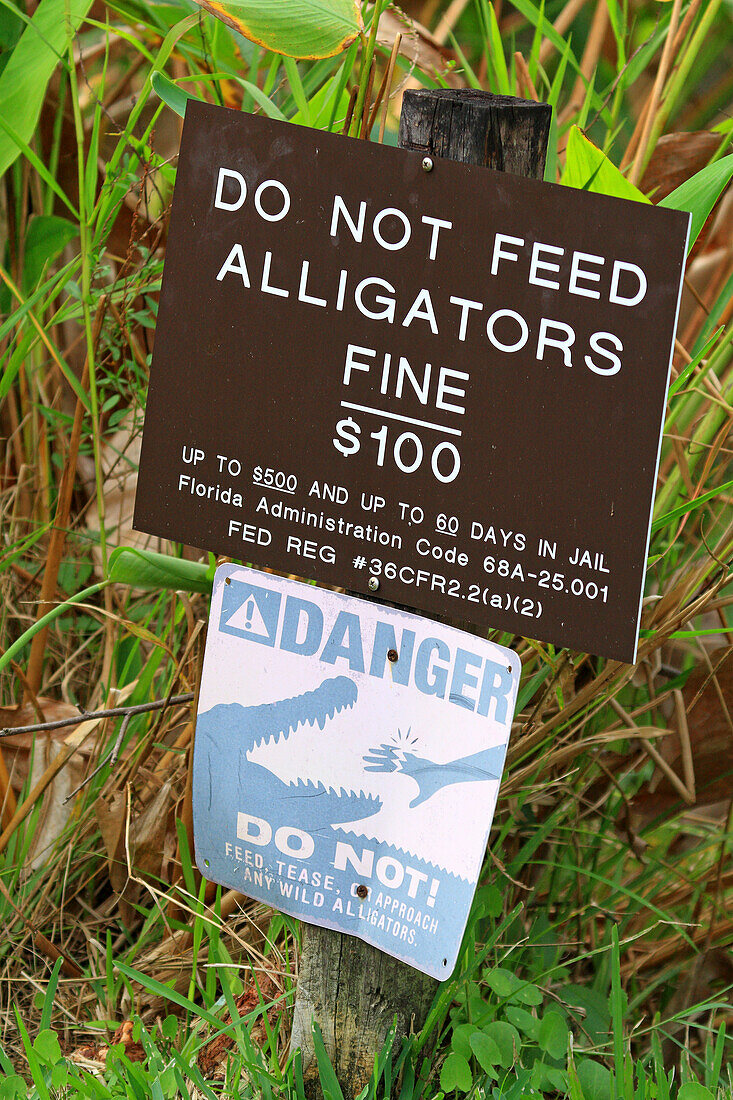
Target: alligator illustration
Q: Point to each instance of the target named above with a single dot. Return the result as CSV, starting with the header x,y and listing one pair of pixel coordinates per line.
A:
x,y
249,823
431,777
233,729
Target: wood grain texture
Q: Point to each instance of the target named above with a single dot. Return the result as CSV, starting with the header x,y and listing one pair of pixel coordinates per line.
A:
x,y
354,992
474,127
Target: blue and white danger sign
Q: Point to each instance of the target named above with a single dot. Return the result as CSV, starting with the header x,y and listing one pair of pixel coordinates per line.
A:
x,y
347,761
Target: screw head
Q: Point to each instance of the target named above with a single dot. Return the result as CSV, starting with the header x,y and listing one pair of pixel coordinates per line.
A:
x,y
427,164
372,584
362,891
392,655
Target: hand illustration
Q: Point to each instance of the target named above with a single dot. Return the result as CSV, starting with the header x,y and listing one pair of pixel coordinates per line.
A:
x,y
431,777
386,759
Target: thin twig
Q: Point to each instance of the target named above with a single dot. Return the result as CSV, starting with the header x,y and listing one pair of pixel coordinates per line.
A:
x,y
350,111
523,74
377,101
683,731
364,127
681,788
642,157
110,758
111,712
390,75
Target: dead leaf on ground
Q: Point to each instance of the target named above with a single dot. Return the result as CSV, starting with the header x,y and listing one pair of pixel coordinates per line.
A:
x,y
148,846
17,748
213,1056
149,832
111,815
28,756
94,1057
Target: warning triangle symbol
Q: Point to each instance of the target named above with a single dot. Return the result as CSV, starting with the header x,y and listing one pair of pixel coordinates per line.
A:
x,y
248,617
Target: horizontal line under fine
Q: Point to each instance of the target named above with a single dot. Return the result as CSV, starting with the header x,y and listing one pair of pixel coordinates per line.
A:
x,y
397,416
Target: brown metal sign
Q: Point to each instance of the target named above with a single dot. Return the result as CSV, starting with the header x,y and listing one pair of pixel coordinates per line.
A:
x,y
446,386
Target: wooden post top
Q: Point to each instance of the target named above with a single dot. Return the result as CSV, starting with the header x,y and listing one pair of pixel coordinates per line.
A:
x,y
475,127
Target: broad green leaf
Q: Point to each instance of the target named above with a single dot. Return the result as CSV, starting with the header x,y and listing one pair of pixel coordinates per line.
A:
x,y
553,1035
489,901
555,1078
169,1027
146,569
13,1088
45,240
692,1090
456,1074
487,1052
23,81
699,194
528,994
11,28
502,982
298,28
507,1040
589,169
47,1047
524,1021
595,1080
460,1040
596,1017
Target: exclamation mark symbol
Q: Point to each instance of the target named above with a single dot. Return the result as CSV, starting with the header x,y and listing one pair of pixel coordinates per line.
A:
x,y
249,610
433,892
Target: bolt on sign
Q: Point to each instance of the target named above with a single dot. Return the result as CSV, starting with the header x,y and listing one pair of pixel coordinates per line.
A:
x,y
320,796
448,384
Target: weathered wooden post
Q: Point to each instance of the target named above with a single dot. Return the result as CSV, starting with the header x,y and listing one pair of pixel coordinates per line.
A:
x,y
353,991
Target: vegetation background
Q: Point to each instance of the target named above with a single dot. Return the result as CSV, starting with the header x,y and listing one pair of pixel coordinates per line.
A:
x,y
597,959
